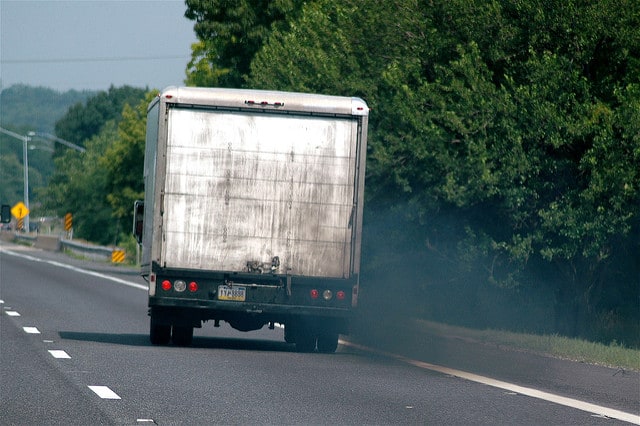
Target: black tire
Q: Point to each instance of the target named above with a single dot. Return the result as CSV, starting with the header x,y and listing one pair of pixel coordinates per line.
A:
x,y
327,343
182,335
289,335
159,334
305,341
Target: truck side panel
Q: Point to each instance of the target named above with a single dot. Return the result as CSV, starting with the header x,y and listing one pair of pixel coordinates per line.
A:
x,y
150,169
243,188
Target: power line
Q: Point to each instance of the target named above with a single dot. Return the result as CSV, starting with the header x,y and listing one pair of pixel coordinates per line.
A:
x,y
104,59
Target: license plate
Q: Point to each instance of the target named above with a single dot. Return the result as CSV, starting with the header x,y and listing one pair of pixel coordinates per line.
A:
x,y
236,294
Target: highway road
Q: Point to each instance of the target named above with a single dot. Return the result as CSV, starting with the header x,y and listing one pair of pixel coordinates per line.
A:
x,y
74,349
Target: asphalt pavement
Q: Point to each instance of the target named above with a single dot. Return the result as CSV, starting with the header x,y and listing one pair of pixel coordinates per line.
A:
x,y
406,339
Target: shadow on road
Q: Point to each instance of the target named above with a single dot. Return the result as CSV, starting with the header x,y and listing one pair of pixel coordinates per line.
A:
x,y
241,344
198,342
113,338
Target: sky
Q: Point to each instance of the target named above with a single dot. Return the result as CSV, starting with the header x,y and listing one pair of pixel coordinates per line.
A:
x,y
94,44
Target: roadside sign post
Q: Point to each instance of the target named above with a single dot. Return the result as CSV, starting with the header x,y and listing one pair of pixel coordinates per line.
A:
x,y
117,256
20,211
68,225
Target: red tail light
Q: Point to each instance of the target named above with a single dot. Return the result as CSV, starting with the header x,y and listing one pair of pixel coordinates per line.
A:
x,y
193,286
340,295
314,293
166,285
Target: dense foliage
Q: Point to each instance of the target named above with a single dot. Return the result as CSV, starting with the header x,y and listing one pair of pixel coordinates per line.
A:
x,y
84,120
504,137
230,33
99,186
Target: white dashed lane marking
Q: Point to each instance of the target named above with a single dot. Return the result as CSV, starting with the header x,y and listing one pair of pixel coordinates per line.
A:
x,y
59,354
12,313
31,330
104,392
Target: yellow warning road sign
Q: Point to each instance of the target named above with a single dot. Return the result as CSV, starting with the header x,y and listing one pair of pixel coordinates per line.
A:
x,y
68,222
117,256
20,211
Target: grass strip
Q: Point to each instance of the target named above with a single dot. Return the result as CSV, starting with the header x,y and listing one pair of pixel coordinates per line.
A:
x,y
612,355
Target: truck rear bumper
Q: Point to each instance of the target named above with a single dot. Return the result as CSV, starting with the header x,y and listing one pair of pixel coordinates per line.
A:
x,y
272,312
249,308
248,316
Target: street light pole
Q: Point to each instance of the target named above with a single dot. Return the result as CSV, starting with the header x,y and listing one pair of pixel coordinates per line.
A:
x,y
57,139
25,160
25,149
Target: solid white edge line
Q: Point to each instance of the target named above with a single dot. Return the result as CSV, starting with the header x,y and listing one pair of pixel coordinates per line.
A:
x,y
31,330
104,392
80,270
534,393
59,354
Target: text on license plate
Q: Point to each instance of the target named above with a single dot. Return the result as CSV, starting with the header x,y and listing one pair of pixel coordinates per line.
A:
x,y
237,294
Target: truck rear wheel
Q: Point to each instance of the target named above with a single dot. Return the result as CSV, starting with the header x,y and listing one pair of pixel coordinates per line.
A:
x,y
306,344
289,335
182,335
159,334
327,343
305,340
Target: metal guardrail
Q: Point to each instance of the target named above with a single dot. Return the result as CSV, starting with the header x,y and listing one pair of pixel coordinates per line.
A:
x,y
87,250
94,252
25,237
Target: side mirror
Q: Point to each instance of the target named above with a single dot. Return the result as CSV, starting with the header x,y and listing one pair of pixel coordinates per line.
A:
x,y
138,220
5,213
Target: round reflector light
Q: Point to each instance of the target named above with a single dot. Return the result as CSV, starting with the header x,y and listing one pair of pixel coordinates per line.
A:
x,y
193,286
327,295
314,294
180,285
166,285
340,295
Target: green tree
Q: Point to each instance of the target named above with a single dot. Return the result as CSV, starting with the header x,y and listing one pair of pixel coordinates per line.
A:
x,y
84,120
82,182
123,162
335,48
11,176
230,33
81,190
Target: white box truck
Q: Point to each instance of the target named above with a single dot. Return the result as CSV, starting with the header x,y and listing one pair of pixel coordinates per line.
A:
x,y
252,212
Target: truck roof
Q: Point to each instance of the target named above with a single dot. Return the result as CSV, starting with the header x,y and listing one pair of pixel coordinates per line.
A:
x,y
267,99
